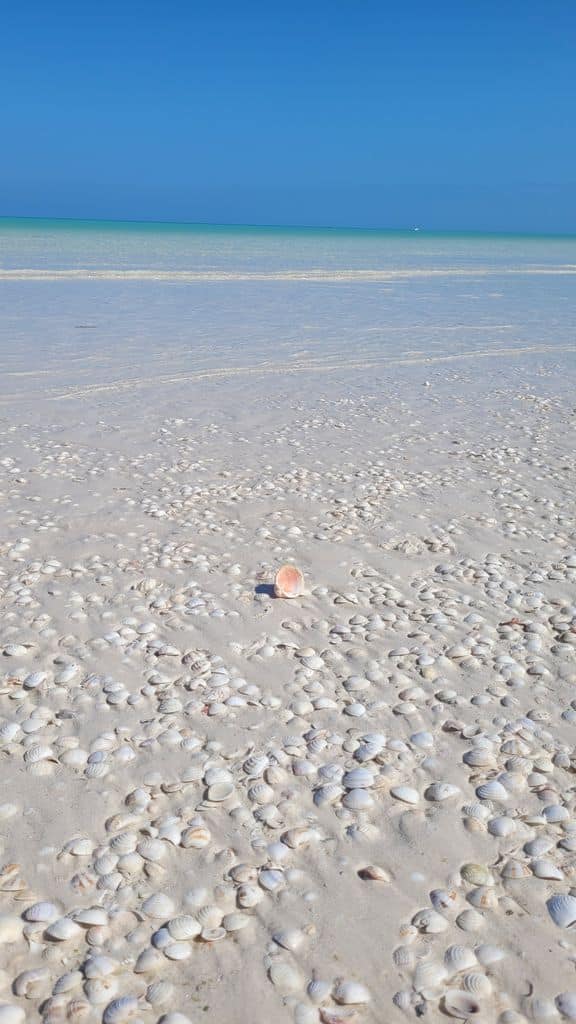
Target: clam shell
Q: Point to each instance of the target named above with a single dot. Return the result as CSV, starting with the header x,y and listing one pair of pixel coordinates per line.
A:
x,y
562,910
439,791
546,869
288,582
459,958
285,977
235,921
515,869
477,984
429,976
470,921
430,922
63,929
406,794
566,1003
492,790
184,927
178,951
318,991
351,993
120,1010
43,911
196,837
460,1004
487,955
158,906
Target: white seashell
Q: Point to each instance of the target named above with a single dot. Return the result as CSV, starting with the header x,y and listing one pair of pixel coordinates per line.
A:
x,y
220,791
285,977
271,879
149,961
196,837
403,957
566,1003
318,991
100,990
158,906
358,778
479,757
289,938
483,898
476,983
470,921
460,1004
120,1010
358,800
328,794
63,929
406,794
429,976
174,1018
492,790
439,791
476,810
91,916
351,993
178,951
488,955
515,869
539,1009
546,869
501,827
31,983
235,921
159,993
249,896
255,765
152,849
68,982
210,916
430,922
184,927
443,899
213,934
300,836
403,999
476,874
562,910
100,966
459,958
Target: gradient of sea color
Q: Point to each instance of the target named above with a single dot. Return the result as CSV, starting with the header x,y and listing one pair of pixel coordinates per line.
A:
x,y
102,305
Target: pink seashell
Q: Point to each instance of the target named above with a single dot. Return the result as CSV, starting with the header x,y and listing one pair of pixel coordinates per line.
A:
x,y
289,582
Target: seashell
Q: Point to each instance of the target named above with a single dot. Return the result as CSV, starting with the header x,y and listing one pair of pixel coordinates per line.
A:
x,y
91,916
566,1003
67,982
459,958
174,1018
460,1004
351,993
196,837
546,869
340,1015
403,956
100,990
539,1009
120,1010
151,849
99,966
443,899
562,910
479,757
304,1014
235,921
210,916
43,911
328,794
358,778
403,999
439,791
288,582
255,765
492,790
406,794
158,906
318,991
284,977
300,836
429,976
484,897
373,873
249,896
177,951
11,928
470,921
488,955
501,827
149,961
430,922
476,874
536,847
289,938
219,792
476,983
358,800
159,993
124,842
63,929
479,811
261,793
515,869
31,983
184,927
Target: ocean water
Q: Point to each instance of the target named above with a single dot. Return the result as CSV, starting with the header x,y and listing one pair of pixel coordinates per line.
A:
x,y
90,307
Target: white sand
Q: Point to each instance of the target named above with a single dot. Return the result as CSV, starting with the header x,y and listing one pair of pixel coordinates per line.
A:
x,y
144,510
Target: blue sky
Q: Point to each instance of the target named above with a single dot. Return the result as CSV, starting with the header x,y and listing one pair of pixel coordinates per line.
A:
x,y
455,115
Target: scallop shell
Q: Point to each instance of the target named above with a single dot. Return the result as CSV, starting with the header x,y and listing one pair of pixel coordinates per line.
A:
x,y
158,905
210,916
403,956
562,910
351,993
120,1010
460,1004
288,582
477,984
459,958
184,927
492,790
470,921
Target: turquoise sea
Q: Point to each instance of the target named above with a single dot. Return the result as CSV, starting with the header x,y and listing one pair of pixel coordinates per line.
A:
x,y
132,303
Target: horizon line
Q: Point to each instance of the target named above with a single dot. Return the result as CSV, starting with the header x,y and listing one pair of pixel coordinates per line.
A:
x,y
415,230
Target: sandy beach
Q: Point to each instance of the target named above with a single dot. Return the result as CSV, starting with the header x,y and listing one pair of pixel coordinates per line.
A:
x,y
357,805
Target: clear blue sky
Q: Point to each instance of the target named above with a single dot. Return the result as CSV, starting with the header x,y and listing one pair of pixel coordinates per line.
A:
x,y
456,115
